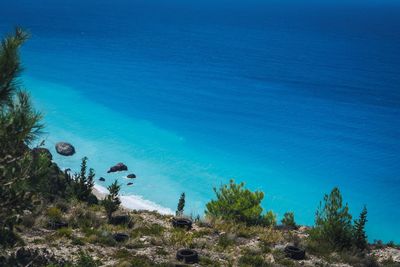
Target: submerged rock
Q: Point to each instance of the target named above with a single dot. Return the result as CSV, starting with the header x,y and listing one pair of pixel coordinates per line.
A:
x,y
101,179
65,149
118,167
129,184
131,176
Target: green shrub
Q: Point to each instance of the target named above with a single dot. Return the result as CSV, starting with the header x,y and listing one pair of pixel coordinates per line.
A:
x,y
141,261
62,205
148,230
288,219
333,222
226,240
357,259
250,260
83,217
180,238
85,260
269,219
206,261
281,259
54,214
8,238
235,203
76,241
64,232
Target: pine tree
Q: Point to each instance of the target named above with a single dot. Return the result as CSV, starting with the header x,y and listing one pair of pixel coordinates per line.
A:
x,y
181,205
360,237
19,126
84,183
288,219
333,221
10,65
236,203
111,202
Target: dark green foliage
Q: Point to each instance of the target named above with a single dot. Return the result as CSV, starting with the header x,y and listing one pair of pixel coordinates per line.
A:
x,y
10,66
253,260
269,218
111,202
226,240
238,204
181,205
8,238
19,126
84,182
333,222
288,219
359,236
85,260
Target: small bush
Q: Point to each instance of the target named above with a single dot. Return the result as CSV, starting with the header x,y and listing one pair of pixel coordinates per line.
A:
x,y
357,259
270,236
249,260
269,219
85,260
122,254
226,240
206,261
378,244
141,261
62,205
83,217
148,230
8,238
77,241
64,232
180,238
288,219
281,259
54,214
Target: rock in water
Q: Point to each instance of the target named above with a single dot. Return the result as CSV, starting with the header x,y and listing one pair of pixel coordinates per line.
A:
x,y
65,149
102,179
131,176
118,167
129,184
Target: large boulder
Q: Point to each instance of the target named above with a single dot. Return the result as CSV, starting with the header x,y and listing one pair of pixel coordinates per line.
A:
x,y
118,167
65,149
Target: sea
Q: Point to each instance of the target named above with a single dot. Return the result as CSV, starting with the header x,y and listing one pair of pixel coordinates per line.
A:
x,y
293,98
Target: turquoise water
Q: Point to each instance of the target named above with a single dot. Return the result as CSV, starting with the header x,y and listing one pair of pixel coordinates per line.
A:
x,y
291,99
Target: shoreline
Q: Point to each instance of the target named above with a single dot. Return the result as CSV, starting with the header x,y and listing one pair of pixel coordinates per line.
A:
x,y
132,202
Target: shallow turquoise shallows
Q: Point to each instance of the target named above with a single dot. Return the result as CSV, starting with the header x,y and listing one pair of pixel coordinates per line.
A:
x,y
291,98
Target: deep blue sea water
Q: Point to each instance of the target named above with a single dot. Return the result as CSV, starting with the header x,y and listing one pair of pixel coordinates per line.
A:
x,y
292,98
